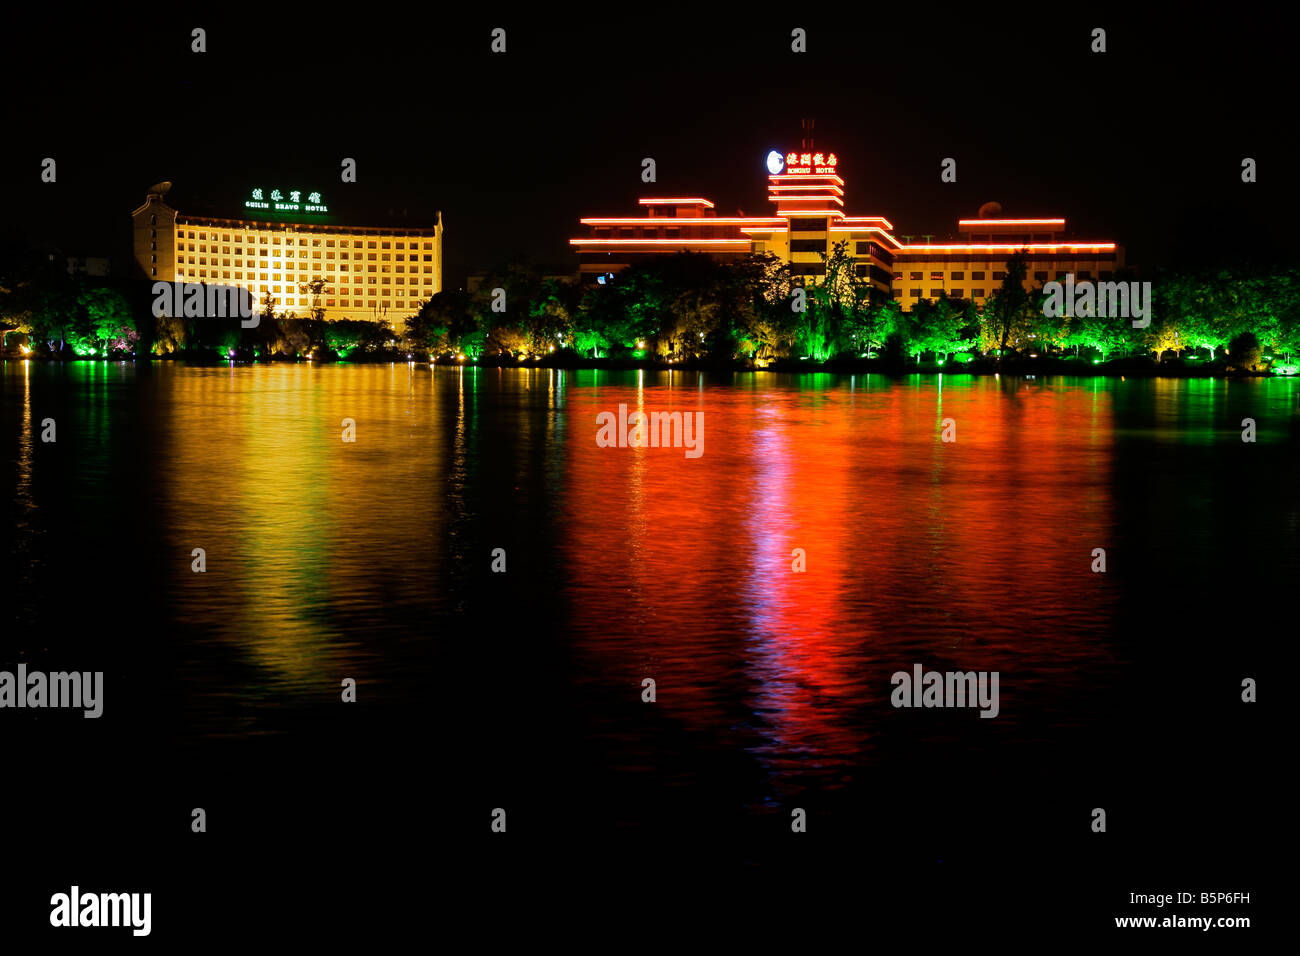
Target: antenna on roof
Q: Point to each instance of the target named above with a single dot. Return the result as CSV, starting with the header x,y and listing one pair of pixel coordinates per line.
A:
x,y
927,236
907,237
807,141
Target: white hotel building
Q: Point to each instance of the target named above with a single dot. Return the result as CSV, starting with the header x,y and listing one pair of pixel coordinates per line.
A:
x,y
374,273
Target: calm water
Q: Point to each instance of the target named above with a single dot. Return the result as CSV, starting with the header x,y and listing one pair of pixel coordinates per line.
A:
x,y
371,560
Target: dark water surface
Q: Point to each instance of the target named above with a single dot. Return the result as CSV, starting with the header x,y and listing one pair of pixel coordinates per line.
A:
x,y
372,560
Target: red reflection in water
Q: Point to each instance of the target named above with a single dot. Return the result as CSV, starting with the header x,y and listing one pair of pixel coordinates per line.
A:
x,y
973,555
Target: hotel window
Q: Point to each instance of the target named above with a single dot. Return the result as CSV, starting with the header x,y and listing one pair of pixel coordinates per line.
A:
x,y
370,268
153,220
428,268
191,235
385,245
370,245
954,293
372,303
915,293
898,293
385,257
225,274
936,293
998,275
1085,275
1060,275
977,276
958,276
428,245
386,303
401,281
153,258
262,241
1040,275
914,277
370,256
203,235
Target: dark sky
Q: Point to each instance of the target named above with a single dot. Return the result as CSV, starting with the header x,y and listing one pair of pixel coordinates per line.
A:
x,y
1142,144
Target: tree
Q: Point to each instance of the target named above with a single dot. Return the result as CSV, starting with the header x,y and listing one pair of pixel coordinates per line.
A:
x,y
1010,303
315,289
1244,351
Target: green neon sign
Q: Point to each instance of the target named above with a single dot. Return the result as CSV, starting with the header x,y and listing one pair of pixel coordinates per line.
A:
x,y
278,202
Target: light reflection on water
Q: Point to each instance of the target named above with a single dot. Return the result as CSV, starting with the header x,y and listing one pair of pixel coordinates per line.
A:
x,y
370,559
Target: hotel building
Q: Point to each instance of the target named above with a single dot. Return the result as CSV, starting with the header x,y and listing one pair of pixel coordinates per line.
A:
x,y
374,273
809,220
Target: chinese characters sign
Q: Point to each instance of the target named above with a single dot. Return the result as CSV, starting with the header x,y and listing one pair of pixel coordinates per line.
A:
x,y
811,163
279,202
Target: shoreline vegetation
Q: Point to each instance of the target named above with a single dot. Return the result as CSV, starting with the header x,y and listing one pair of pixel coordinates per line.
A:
x,y
690,311
1135,366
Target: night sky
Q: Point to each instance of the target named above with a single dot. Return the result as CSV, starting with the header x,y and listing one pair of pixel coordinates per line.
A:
x,y
1142,144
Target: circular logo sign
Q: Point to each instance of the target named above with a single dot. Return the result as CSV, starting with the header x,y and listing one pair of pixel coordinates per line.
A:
x,y
775,162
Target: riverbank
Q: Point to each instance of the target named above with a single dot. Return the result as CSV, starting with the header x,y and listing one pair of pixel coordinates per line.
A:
x,y
1043,365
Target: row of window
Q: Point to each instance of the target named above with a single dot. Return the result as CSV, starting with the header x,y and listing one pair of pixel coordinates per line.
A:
x,y
939,293
302,254
288,241
1083,275
290,284
291,266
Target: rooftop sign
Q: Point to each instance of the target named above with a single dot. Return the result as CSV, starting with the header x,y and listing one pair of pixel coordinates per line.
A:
x,y
810,163
276,201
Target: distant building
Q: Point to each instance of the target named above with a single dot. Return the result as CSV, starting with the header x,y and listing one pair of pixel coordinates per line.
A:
x,y
378,273
475,280
974,265
809,220
89,266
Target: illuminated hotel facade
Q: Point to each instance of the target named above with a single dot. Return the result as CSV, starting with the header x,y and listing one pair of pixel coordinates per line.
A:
x,y
810,219
367,272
